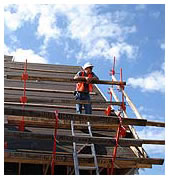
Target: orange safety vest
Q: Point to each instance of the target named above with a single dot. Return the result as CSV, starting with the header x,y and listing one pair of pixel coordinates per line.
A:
x,y
81,87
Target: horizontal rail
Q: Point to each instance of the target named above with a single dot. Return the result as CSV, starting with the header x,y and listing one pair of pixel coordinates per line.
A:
x,y
123,142
49,106
73,116
43,90
40,70
50,123
80,117
154,123
65,101
66,159
40,78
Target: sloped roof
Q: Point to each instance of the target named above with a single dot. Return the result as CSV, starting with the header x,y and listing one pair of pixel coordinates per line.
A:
x,y
49,96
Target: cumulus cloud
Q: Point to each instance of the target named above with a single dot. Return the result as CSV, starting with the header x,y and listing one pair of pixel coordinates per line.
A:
x,y
90,29
147,113
154,133
103,49
16,15
151,82
93,32
162,46
47,27
155,14
140,7
20,55
6,50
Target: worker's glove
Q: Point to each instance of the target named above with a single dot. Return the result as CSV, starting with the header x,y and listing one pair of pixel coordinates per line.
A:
x,y
74,93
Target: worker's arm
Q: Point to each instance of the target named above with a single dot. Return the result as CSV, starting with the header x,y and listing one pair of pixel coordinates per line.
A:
x,y
94,78
77,77
91,79
88,80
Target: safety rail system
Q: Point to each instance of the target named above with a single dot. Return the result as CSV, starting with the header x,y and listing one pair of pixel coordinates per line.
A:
x,y
23,99
116,121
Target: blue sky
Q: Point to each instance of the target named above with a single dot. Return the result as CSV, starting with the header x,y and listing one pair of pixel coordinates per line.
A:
x,y
75,34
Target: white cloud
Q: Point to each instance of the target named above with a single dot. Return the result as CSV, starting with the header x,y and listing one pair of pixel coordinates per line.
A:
x,y
162,46
154,133
68,51
47,27
123,48
141,108
151,82
155,14
153,117
6,50
83,24
140,7
154,149
16,15
93,32
20,55
148,113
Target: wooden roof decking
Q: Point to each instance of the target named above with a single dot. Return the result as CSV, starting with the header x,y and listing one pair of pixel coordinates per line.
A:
x,y
48,96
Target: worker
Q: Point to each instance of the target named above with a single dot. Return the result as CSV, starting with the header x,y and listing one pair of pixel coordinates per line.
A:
x,y
83,88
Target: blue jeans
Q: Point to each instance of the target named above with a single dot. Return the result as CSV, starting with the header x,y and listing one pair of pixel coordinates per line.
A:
x,y
87,107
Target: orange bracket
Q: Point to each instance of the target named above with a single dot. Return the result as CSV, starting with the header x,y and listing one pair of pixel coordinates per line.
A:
x,y
23,99
54,145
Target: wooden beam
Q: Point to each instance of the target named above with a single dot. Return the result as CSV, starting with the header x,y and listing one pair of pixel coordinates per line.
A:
x,y
138,151
117,100
65,101
67,159
133,107
41,65
44,90
157,124
41,78
73,116
135,110
40,70
81,117
70,138
122,159
50,106
50,123
124,142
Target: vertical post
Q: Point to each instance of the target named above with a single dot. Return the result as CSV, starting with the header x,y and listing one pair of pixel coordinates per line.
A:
x,y
123,107
19,169
54,145
23,99
120,127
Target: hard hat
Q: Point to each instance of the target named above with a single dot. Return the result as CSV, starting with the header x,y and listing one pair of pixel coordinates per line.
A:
x,y
87,65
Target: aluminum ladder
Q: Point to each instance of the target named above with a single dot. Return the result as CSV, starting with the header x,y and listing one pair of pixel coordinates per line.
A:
x,y
77,155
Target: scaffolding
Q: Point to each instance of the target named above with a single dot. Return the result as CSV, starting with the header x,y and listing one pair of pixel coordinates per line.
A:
x,y
44,139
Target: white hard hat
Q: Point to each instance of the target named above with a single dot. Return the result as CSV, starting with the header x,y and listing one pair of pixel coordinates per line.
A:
x,y
87,65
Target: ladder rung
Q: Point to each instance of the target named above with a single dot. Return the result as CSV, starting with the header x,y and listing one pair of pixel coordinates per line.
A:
x,y
78,144
82,134
86,125
85,155
87,168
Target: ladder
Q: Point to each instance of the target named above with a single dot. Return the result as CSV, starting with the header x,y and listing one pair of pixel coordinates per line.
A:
x,y
77,155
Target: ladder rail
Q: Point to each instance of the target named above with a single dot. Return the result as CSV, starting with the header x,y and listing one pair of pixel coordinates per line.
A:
x,y
76,153
93,150
76,163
